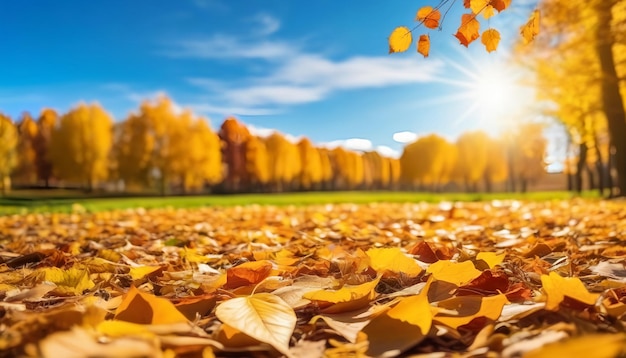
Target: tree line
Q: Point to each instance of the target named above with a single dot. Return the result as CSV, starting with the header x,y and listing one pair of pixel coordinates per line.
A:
x,y
166,150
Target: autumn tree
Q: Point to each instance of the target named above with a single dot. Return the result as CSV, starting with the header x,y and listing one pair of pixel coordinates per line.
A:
x,y
45,124
526,150
202,159
311,173
583,39
80,145
8,152
234,135
472,159
162,145
326,168
284,162
257,163
26,170
496,168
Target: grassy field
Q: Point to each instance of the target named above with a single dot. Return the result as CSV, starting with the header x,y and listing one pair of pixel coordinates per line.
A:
x,y
23,202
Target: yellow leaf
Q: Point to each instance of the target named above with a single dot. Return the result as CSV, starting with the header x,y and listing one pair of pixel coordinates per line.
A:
x,y
457,273
144,308
389,337
592,345
491,258
557,288
414,309
490,39
531,28
347,298
191,255
469,29
469,307
72,281
115,328
140,272
423,45
400,39
262,316
394,260
429,17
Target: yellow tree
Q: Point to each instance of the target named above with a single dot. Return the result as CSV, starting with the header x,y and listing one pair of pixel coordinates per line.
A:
x,y
8,154
583,42
80,145
284,161
472,158
46,123
526,155
202,157
257,163
496,169
395,169
311,173
26,170
326,168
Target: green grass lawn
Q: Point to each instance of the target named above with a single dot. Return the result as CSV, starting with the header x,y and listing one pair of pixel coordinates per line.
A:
x,y
45,202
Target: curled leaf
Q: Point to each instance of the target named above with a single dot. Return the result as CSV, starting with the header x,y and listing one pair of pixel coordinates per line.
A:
x,y
531,28
469,29
423,45
490,39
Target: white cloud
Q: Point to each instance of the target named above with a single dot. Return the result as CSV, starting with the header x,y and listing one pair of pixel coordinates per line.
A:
x,y
228,47
226,111
268,24
404,137
387,151
274,94
356,144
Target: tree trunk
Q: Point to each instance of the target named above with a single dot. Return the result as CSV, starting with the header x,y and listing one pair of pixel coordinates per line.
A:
x,y
580,166
609,170
612,103
600,169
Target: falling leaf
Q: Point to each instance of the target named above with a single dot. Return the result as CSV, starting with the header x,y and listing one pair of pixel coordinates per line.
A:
x,y
591,345
400,39
559,288
457,273
490,39
482,7
144,308
469,29
262,316
429,17
423,45
500,5
394,260
531,28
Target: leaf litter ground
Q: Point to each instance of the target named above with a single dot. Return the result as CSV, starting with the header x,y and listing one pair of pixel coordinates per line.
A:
x,y
501,278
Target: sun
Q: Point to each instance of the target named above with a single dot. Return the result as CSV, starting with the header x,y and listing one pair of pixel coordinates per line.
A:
x,y
487,92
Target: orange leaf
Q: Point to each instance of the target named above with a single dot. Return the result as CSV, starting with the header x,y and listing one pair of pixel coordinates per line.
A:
x,y
400,39
469,29
429,17
249,273
490,39
346,298
531,28
491,258
592,345
144,308
500,5
423,45
557,288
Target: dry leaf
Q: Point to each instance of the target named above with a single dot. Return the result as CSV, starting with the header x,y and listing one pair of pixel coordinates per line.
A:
x,y
400,39
144,308
262,316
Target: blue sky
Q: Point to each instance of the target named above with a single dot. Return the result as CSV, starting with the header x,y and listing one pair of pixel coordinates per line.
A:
x,y
313,68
